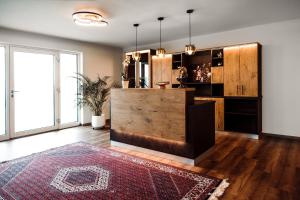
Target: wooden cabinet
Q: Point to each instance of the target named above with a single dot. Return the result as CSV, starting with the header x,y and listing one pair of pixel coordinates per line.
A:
x,y
231,71
219,111
249,70
162,69
241,70
217,75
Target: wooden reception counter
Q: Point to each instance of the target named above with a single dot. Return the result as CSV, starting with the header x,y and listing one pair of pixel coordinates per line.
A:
x,y
165,120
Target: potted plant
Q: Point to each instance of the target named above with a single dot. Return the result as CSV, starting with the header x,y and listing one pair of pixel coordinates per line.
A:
x,y
94,94
125,80
124,74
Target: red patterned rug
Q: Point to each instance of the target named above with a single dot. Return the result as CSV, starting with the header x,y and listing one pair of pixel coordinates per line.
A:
x,y
82,171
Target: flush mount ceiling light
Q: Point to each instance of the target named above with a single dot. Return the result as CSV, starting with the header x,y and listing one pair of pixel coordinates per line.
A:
x,y
87,18
160,51
190,48
136,55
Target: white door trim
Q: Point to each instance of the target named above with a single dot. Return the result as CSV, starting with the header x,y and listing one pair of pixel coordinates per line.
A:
x,y
7,127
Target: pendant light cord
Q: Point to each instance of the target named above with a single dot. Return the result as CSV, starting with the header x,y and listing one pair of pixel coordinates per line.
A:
x,y
190,29
160,34
136,38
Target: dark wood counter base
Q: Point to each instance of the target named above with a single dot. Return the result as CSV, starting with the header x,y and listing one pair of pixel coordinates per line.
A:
x,y
200,134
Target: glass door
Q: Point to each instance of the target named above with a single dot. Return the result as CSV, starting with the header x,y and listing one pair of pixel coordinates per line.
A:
x,y
32,91
3,97
68,90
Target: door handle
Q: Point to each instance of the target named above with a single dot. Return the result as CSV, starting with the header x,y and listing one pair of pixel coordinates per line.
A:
x,y
12,93
242,89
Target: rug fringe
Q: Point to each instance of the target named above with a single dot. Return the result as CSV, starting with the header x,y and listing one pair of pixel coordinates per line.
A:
x,y
219,191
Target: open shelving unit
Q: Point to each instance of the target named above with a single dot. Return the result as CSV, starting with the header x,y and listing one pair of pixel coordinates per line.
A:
x,y
204,59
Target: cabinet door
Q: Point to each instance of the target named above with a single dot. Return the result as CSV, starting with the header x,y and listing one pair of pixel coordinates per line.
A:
x,y
217,75
219,111
231,71
162,70
249,70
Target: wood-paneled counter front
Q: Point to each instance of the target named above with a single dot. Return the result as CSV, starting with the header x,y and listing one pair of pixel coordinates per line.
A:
x,y
166,120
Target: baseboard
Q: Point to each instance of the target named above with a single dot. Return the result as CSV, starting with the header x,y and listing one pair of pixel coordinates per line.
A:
x,y
86,124
280,136
107,123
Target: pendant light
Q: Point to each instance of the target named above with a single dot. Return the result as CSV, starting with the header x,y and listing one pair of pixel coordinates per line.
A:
x,y
160,51
190,48
136,55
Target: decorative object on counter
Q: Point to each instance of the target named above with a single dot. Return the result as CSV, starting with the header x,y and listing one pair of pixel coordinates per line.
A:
x,y
136,55
125,81
160,51
162,84
125,78
88,18
190,48
183,75
93,94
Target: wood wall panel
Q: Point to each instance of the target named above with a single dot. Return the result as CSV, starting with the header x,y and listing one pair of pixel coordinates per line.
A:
x,y
156,113
162,69
231,71
249,70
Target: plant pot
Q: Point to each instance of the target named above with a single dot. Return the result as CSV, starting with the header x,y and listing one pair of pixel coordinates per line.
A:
x,y
125,84
98,121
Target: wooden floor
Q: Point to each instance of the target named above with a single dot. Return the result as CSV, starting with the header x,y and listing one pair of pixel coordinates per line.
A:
x,y
257,169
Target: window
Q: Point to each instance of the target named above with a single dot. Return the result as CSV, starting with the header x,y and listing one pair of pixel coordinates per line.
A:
x,y
68,88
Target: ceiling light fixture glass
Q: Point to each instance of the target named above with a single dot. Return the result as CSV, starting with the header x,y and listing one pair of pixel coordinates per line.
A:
x,y
136,55
87,18
190,48
160,51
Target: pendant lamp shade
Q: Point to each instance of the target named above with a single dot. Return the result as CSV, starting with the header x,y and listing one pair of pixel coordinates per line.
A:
x,y
190,48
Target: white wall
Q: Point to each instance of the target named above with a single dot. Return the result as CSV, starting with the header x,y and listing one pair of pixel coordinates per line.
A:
x,y
281,69
97,59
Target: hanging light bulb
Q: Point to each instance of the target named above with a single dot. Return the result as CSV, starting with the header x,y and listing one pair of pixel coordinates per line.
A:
x,y
190,48
160,51
136,55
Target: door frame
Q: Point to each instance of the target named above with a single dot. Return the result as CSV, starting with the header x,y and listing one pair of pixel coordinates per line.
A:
x,y
6,136
78,61
10,129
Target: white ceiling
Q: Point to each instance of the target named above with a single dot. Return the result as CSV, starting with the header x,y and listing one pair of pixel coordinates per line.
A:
x,y
53,17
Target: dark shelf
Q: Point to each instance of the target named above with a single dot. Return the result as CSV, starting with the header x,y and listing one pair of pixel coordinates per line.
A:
x,y
197,83
176,61
240,113
217,58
